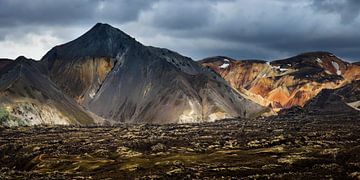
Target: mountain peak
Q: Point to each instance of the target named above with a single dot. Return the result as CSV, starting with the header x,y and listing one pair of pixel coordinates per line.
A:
x,y
99,24
21,58
101,40
107,29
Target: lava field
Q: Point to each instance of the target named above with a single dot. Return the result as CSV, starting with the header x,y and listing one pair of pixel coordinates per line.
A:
x,y
292,146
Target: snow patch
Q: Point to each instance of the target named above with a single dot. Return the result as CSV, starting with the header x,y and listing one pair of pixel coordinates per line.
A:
x,y
225,65
319,60
336,66
226,60
279,68
92,94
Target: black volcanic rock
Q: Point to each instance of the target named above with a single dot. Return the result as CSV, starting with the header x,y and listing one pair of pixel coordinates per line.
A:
x,y
117,78
101,41
30,96
336,101
5,62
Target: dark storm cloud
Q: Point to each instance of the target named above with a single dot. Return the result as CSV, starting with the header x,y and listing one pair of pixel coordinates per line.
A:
x,y
184,15
347,9
18,12
269,29
266,29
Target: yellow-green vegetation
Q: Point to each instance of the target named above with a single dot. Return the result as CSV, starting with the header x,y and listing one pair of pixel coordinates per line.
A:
x,y
4,115
6,119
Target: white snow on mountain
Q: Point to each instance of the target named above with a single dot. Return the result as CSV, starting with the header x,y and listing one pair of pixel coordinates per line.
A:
x,y
318,60
224,66
336,66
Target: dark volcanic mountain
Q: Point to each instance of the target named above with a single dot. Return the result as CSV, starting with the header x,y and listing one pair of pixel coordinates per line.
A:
x,y
288,82
117,78
32,98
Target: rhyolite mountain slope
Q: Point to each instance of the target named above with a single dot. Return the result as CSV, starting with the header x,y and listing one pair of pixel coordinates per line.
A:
x,y
288,82
117,78
32,98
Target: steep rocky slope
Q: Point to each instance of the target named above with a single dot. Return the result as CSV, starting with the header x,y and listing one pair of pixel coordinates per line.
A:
x,y
5,62
117,78
288,82
31,98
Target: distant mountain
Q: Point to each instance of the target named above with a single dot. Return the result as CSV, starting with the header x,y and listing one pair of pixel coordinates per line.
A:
x,y
32,98
288,82
114,76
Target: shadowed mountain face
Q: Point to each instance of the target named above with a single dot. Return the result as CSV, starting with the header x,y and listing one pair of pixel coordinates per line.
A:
x,y
285,83
5,62
342,100
117,78
31,98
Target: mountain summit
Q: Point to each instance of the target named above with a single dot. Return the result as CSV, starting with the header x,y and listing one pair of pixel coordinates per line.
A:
x,y
100,40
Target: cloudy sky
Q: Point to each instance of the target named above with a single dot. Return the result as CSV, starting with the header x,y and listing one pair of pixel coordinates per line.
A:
x,y
242,29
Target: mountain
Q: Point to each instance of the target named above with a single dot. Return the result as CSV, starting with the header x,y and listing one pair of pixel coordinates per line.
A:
x,y
288,82
112,75
32,98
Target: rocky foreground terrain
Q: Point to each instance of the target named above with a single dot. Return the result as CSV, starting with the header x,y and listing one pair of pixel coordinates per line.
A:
x,y
294,145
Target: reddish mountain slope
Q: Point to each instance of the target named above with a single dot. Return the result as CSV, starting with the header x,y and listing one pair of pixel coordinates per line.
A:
x,y
288,82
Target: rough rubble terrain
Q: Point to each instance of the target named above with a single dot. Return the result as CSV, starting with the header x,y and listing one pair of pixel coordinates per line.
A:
x,y
286,146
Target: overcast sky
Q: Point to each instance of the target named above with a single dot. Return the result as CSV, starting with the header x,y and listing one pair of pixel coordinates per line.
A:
x,y
242,29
